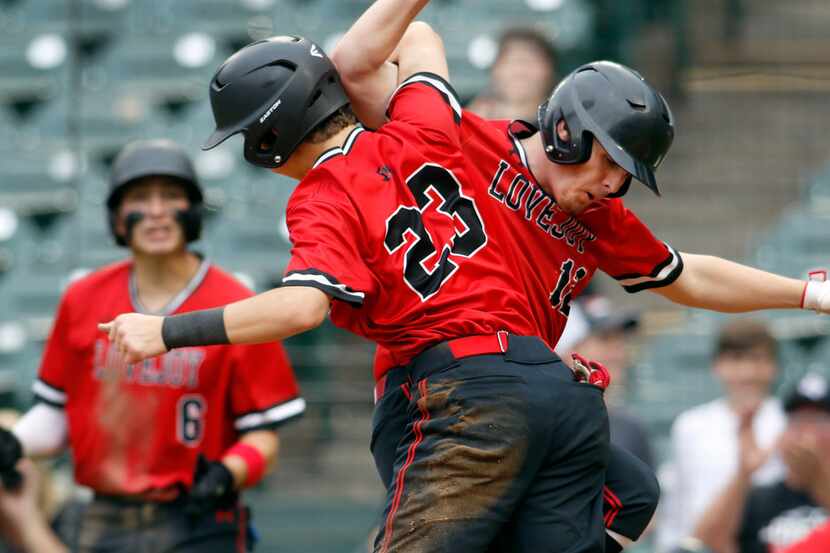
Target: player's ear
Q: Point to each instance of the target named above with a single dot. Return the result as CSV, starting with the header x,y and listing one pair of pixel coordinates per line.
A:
x,y
562,131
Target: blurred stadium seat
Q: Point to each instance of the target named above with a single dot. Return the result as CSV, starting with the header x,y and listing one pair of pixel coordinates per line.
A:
x,y
35,69
30,190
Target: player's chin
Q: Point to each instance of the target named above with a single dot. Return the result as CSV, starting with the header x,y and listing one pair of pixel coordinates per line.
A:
x,y
573,208
157,247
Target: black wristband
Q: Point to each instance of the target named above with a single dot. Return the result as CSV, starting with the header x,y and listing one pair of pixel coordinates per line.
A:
x,y
197,328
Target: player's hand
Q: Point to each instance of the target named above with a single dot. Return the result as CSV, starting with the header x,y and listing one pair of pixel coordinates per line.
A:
x,y
136,337
212,488
590,372
10,453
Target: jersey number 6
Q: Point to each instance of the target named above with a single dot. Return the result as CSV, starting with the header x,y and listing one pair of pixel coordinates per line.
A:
x,y
190,419
431,184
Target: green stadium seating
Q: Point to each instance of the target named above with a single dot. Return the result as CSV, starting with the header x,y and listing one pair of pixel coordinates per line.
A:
x,y
29,189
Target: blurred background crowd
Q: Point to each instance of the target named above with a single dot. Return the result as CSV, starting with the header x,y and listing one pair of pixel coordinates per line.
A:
x,y
733,413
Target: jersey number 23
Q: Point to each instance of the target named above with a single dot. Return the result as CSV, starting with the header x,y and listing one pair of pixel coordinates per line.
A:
x,y
425,269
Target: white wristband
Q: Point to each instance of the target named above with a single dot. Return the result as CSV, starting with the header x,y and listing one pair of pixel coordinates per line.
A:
x,y
814,292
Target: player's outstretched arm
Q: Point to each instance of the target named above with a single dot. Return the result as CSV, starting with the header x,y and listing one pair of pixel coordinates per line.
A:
x,y
379,51
714,283
267,317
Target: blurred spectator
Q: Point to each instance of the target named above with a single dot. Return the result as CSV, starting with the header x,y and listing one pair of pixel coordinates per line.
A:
x,y
22,522
749,518
601,333
705,439
521,77
28,511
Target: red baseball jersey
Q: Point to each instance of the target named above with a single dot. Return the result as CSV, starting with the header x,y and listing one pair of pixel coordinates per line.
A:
x,y
433,228
139,428
556,254
391,226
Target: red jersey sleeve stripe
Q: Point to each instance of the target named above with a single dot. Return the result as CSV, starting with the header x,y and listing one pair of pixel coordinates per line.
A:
x,y
271,417
439,84
49,394
663,274
326,283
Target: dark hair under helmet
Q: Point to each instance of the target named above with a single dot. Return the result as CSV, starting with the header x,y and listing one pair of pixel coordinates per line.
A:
x,y
615,105
274,92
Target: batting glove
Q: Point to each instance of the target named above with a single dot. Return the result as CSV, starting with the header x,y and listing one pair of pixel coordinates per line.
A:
x,y
590,372
212,488
10,453
817,292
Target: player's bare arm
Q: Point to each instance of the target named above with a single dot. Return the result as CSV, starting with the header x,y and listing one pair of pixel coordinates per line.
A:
x,y
421,50
267,317
383,48
714,283
362,56
265,442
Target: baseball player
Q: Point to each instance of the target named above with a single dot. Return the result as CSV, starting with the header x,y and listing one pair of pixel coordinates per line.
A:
x,y
397,226
631,491
166,443
501,150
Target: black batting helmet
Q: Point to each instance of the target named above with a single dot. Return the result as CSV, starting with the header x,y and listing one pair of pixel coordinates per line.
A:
x,y
274,92
615,105
156,158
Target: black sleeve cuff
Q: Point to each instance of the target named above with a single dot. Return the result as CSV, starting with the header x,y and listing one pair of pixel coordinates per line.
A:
x,y
326,283
663,274
271,417
49,394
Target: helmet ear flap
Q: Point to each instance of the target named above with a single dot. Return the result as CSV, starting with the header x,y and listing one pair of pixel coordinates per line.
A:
x,y
112,219
577,149
191,222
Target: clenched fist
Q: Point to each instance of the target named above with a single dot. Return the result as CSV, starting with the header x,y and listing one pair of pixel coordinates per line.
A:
x,y
136,337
